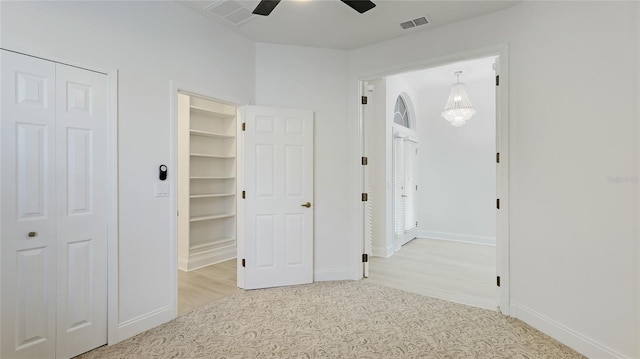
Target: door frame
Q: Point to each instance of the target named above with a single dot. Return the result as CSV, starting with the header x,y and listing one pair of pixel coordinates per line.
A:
x,y
502,146
174,88
113,238
112,186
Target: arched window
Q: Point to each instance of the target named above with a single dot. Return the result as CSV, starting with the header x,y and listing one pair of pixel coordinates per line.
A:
x,y
401,113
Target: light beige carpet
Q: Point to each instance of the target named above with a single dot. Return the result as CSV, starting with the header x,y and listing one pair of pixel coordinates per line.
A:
x,y
349,319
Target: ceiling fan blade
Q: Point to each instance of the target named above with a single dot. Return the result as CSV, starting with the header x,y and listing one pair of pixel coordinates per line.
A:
x,y
265,7
360,6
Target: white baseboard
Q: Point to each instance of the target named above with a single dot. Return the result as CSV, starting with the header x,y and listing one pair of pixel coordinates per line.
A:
x,y
322,275
382,251
206,256
144,322
581,343
459,237
183,263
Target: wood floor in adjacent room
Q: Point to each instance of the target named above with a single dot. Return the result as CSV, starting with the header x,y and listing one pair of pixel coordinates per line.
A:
x,y
205,285
455,271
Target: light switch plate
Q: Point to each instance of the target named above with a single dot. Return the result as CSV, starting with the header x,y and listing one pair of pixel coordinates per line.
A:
x,y
162,189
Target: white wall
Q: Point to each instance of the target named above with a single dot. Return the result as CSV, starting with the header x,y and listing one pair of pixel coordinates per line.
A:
x,y
150,43
456,165
316,79
573,130
457,172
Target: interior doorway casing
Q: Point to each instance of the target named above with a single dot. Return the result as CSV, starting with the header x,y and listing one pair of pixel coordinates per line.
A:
x,y
175,88
502,147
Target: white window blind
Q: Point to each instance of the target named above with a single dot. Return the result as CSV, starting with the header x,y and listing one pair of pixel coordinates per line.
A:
x,y
398,186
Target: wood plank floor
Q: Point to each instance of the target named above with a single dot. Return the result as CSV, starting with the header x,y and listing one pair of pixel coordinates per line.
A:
x,y
455,271
205,285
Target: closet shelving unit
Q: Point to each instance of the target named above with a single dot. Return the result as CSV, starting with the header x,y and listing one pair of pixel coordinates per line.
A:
x,y
207,197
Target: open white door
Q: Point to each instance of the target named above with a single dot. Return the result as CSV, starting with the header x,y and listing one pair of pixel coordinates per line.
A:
x,y
410,194
277,243
405,189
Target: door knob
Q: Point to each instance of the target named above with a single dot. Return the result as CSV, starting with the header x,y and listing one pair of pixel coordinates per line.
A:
x,y
306,205
32,234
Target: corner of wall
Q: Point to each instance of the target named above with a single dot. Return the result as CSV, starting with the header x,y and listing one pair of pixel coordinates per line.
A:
x,y
582,344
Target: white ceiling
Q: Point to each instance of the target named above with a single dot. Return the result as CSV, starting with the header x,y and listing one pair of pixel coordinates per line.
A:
x,y
333,24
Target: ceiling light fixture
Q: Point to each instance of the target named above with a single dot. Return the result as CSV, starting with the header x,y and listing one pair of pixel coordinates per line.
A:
x,y
458,109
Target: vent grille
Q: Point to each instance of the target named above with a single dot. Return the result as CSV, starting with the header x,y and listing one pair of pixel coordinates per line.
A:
x,y
415,22
230,10
407,25
420,21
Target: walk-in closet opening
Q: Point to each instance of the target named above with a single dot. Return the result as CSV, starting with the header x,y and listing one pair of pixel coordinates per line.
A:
x,y
206,193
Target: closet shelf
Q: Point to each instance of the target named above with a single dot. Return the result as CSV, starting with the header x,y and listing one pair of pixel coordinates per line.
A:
x,y
207,162
212,195
211,217
213,112
214,241
212,178
210,134
211,156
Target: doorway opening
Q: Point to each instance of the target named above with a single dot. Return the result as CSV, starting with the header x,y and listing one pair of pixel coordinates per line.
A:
x,y
206,200
216,189
431,223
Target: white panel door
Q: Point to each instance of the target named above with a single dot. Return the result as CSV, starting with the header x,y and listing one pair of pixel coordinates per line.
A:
x,y
410,191
278,170
81,210
28,228
53,224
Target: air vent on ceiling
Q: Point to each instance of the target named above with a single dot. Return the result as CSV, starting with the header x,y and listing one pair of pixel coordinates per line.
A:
x,y
407,25
415,22
230,10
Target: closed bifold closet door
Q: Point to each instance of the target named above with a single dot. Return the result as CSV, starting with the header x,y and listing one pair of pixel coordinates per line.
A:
x,y
54,210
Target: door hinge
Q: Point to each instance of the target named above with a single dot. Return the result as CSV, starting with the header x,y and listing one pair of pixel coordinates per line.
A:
x,y
365,258
498,281
365,161
364,100
498,203
178,213
244,126
416,223
497,157
244,194
365,197
497,80
243,263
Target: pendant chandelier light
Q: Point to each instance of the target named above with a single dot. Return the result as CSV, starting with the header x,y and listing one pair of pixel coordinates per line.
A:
x,y
458,109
